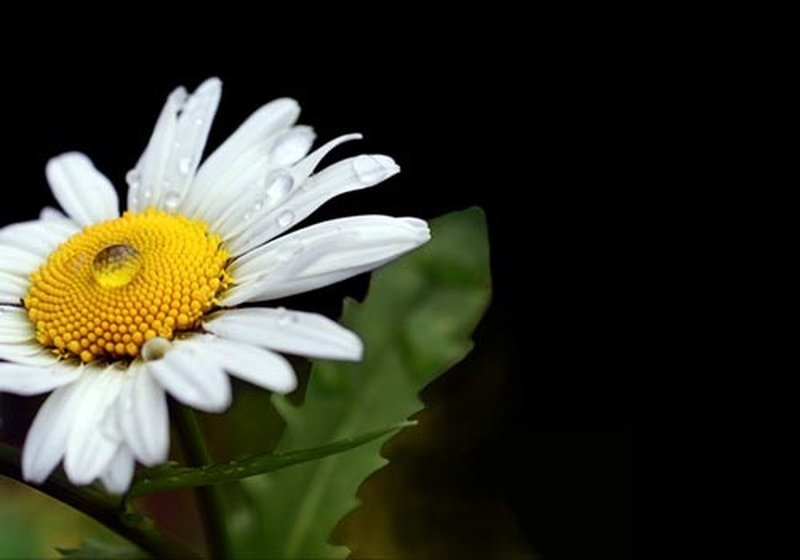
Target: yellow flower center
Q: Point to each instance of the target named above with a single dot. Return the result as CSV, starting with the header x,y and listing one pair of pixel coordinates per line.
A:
x,y
115,285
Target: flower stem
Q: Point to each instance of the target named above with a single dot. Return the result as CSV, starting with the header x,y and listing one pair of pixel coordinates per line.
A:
x,y
100,506
209,497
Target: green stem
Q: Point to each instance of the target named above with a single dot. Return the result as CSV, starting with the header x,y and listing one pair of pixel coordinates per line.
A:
x,y
100,506
209,497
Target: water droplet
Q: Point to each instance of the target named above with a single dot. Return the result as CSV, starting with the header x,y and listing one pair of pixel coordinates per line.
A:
x,y
116,266
184,164
258,205
147,194
133,178
247,216
289,250
369,169
278,184
172,199
285,218
286,317
198,121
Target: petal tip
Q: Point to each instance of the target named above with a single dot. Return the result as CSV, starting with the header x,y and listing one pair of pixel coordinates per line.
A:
x,y
33,475
419,228
213,83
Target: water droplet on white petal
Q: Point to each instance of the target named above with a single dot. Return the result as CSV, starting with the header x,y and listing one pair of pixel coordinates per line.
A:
x,y
198,121
172,199
147,194
285,218
370,169
286,317
184,164
289,250
278,184
133,178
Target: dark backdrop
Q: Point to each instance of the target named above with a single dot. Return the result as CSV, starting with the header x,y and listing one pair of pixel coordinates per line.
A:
x,y
534,432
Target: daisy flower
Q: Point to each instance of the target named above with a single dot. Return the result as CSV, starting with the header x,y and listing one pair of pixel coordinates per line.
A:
x,y
112,313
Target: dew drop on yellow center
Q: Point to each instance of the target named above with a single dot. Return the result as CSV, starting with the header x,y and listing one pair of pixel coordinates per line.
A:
x,y
116,265
109,289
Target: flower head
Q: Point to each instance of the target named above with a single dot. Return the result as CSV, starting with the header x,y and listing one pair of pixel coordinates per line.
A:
x,y
113,312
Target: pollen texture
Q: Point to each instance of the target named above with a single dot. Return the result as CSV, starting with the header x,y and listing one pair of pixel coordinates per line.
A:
x,y
117,284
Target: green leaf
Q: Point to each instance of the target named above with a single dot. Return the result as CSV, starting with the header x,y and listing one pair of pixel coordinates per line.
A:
x,y
92,549
416,323
169,476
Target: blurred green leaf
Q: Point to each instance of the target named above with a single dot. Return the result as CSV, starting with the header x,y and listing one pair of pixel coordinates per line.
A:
x,y
92,549
416,323
169,476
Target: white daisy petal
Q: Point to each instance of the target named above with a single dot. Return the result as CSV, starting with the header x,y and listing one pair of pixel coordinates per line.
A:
x,y
31,380
292,332
273,191
240,161
28,353
81,190
39,237
304,168
265,186
321,255
344,176
167,168
50,213
25,336
15,327
144,180
291,146
18,262
192,376
255,365
93,441
143,417
46,441
119,473
12,288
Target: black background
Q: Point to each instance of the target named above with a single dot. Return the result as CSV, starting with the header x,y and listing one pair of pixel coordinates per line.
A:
x,y
541,457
